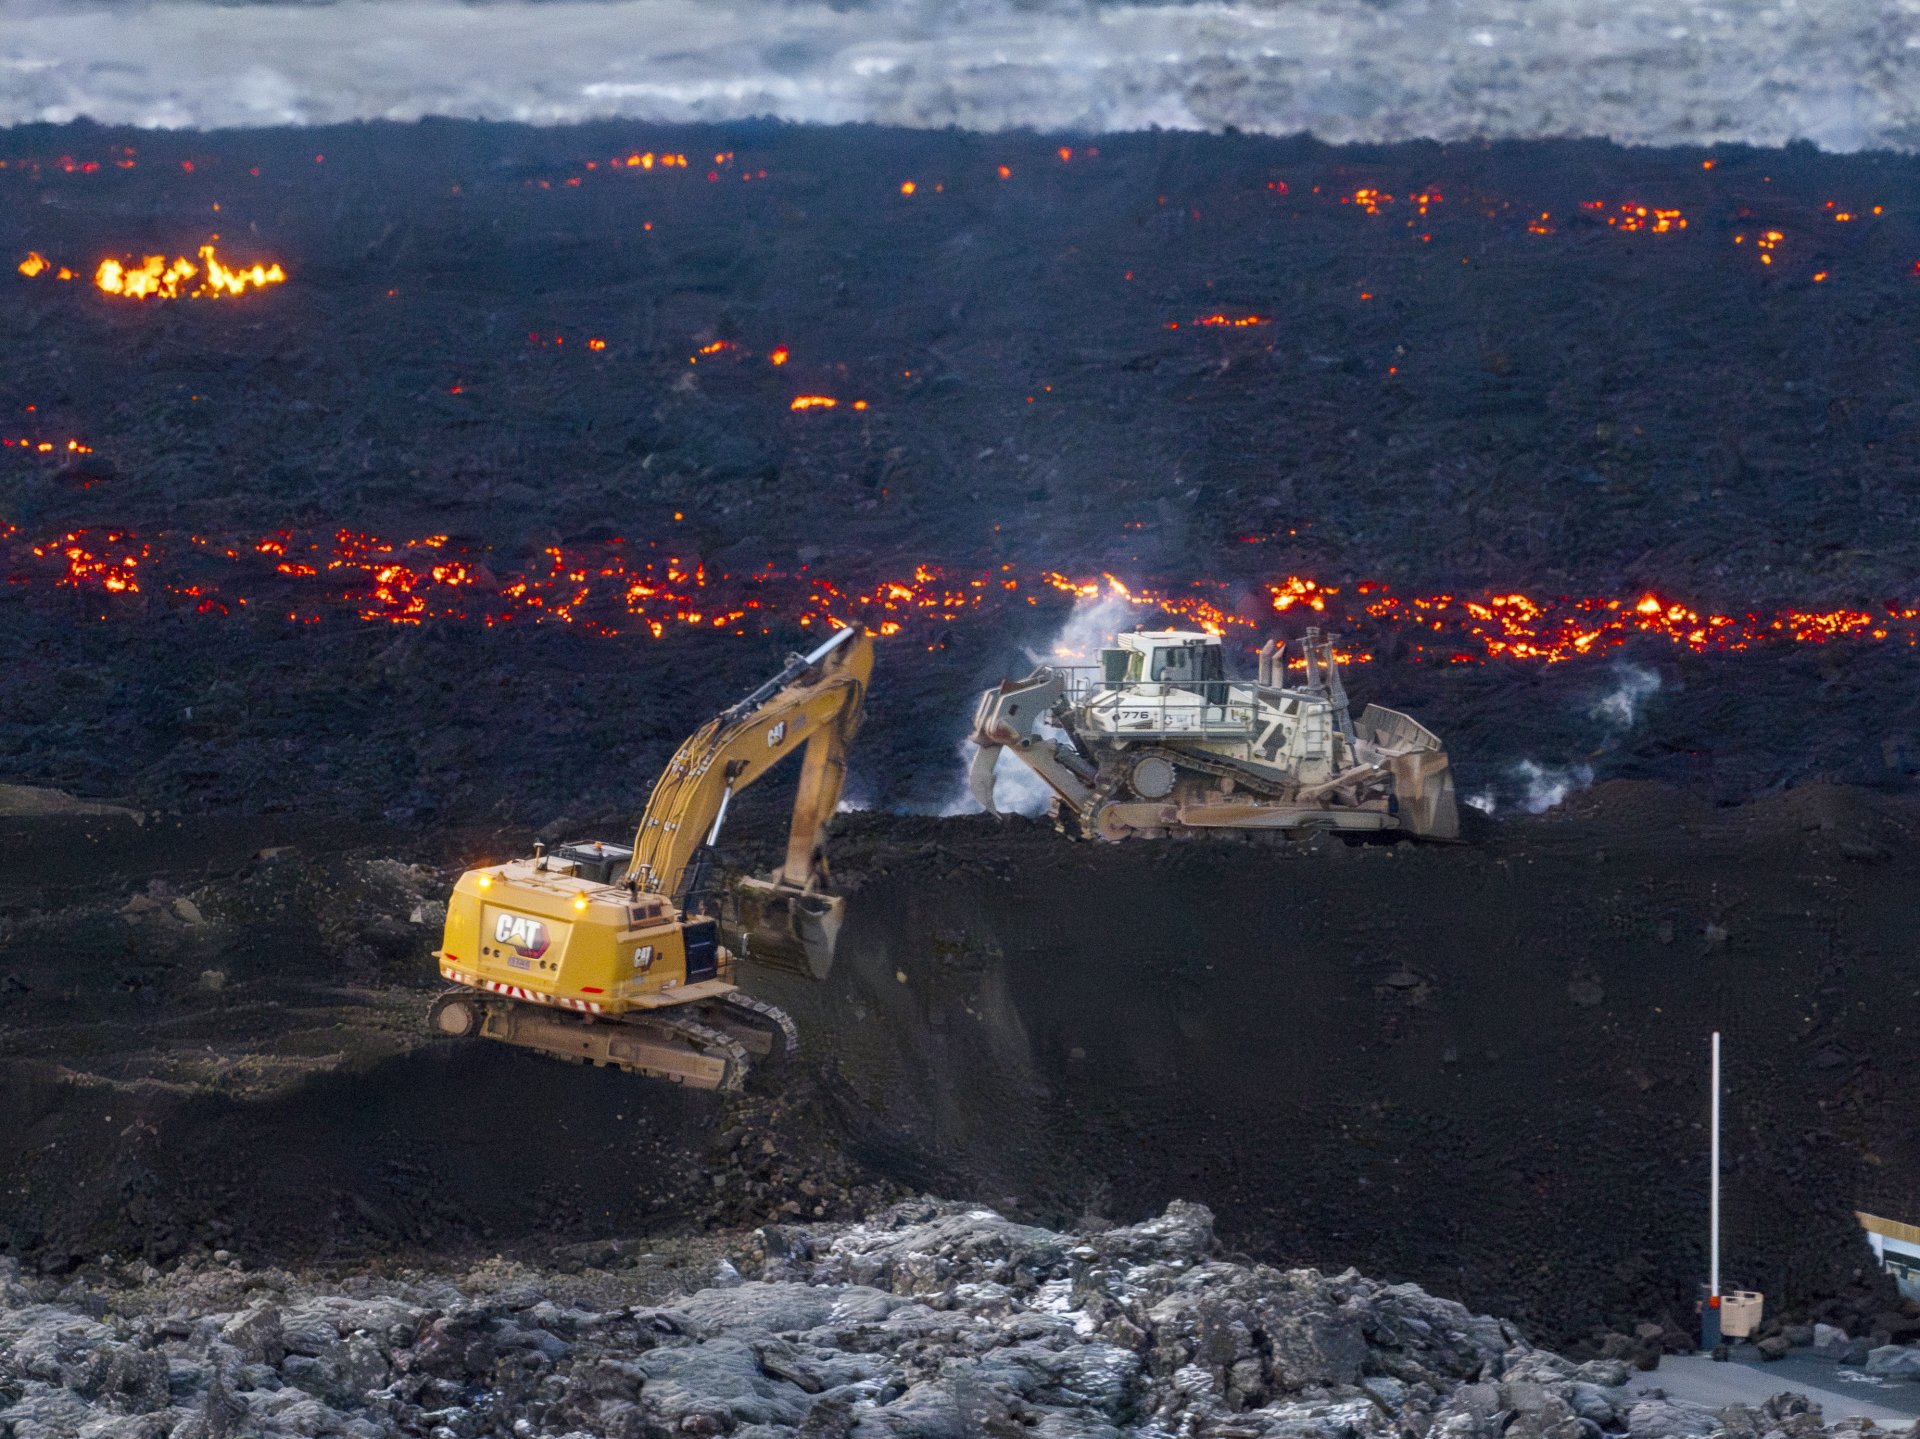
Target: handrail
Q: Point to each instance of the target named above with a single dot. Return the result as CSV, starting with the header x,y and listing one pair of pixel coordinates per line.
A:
x,y
1144,706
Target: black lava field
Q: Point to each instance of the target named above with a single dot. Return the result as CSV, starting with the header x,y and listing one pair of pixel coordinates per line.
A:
x,y
1605,463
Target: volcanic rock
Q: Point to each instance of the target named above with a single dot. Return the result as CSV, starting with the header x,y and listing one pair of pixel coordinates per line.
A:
x,y
1894,1361
1828,1337
926,1320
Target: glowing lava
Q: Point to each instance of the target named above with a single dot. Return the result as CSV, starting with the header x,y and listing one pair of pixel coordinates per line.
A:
x,y
37,264
654,586
1641,217
45,447
156,278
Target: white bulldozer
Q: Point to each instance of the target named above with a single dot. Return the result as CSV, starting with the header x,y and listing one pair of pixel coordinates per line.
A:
x,y
1156,741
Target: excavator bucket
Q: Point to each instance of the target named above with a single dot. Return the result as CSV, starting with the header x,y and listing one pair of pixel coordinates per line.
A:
x,y
791,930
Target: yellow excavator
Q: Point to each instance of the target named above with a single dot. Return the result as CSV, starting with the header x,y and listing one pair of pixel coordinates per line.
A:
x,y
619,955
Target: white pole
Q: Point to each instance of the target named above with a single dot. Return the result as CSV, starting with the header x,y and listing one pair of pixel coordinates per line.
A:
x,y
1713,1208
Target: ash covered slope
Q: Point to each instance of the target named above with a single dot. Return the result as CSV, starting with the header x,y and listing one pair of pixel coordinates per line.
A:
x,y
1651,72
928,1321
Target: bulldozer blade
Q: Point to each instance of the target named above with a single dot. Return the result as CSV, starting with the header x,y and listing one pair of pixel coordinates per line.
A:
x,y
1423,785
980,775
785,929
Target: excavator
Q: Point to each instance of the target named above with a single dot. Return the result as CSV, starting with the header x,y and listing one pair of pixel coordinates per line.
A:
x,y
625,955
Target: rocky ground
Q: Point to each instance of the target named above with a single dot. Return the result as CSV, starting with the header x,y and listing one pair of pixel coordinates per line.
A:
x,y
925,1320
1416,1060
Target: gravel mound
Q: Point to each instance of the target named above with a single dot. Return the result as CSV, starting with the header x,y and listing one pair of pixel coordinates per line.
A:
x,y
928,1320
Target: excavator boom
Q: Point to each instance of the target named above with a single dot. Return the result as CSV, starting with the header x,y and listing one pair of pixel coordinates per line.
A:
x,y
615,955
813,706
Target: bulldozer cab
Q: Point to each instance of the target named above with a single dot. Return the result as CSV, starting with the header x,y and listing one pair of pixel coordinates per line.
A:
x,y
1179,659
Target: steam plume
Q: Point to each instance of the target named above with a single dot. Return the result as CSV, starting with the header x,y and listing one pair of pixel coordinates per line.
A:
x,y
1544,787
1619,708
1088,626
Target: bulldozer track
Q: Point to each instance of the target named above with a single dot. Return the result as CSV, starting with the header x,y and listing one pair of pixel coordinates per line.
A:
x,y
1111,786
1201,764
1112,781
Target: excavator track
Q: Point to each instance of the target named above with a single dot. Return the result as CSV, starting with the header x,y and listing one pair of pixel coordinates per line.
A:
x,y
680,1050
764,1030
714,1043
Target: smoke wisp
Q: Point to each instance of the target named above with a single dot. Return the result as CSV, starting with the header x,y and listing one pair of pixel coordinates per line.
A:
x,y
1088,627
1544,787
1532,787
1619,708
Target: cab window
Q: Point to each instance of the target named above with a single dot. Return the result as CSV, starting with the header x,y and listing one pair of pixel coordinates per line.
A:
x,y
1173,664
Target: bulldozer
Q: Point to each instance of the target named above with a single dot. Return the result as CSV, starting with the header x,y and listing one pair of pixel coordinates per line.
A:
x,y
1156,741
627,955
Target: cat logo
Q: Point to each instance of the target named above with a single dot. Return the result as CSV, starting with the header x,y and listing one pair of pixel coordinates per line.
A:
x,y
527,936
776,734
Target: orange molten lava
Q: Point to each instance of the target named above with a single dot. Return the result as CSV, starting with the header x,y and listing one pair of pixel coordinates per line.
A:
x,y
46,447
156,278
1642,217
627,587
37,264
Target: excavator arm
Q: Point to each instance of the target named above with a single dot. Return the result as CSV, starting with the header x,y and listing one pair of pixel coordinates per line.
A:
x,y
813,707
